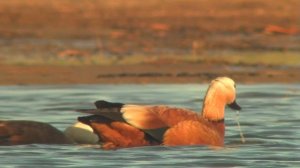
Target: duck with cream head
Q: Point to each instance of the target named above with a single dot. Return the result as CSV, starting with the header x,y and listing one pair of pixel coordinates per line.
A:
x,y
120,125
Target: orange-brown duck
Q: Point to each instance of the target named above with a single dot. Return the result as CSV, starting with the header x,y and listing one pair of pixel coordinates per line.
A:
x,y
125,125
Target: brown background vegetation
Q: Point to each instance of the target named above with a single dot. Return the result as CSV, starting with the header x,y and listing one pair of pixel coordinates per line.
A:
x,y
117,28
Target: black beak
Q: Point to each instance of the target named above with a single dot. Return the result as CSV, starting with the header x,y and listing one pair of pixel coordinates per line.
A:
x,y
234,106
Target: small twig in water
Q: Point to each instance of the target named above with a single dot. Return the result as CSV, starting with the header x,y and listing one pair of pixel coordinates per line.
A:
x,y
239,127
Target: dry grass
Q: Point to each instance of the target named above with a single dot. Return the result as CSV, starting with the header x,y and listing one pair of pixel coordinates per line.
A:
x,y
154,31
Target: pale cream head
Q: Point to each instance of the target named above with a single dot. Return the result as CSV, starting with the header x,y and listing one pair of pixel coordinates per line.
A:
x,y
220,93
228,88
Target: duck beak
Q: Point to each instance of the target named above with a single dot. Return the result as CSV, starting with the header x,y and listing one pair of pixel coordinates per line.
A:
x,y
234,106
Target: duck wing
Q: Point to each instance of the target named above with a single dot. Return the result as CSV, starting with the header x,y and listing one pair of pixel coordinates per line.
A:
x,y
153,120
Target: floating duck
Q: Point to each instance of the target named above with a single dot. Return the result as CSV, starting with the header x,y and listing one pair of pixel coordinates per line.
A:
x,y
18,132
119,125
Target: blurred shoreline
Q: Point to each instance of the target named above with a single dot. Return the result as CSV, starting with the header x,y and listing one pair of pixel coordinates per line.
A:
x,y
172,41
143,74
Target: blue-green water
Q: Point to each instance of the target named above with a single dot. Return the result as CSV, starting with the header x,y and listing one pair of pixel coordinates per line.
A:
x,y
270,121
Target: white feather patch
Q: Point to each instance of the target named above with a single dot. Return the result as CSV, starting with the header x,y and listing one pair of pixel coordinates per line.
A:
x,y
141,117
81,133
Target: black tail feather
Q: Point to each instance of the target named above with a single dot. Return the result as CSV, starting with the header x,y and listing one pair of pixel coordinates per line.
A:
x,y
93,119
113,115
102,104
105,109
87,119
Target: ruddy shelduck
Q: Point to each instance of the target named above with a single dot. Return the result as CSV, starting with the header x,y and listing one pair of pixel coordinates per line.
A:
x,y
120,125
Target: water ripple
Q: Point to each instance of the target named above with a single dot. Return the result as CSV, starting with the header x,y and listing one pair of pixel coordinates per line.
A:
x,y
269,119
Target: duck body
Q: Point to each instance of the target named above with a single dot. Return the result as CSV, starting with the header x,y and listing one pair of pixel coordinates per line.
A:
x,y
18,132
125,125
163,125
200,132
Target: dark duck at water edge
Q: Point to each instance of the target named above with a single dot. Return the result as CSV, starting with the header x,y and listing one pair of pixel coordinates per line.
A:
x,y
120,125
19,132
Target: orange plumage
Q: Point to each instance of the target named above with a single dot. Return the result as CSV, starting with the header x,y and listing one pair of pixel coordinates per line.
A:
x,y
199,132
120,125
118,134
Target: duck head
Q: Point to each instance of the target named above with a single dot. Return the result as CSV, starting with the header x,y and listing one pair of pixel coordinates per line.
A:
x,y
221,92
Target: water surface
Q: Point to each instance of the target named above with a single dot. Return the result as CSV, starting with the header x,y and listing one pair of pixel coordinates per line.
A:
x,y
270,121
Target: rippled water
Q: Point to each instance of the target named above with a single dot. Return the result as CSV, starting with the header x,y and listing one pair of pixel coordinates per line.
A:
x,y
270,120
